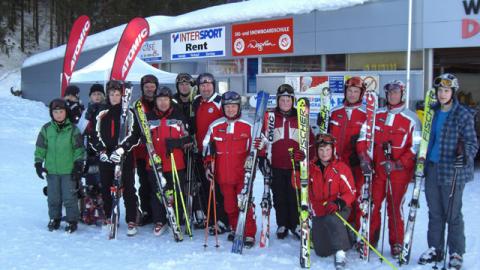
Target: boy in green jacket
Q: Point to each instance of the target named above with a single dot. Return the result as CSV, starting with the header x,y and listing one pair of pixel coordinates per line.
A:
x,y
60,148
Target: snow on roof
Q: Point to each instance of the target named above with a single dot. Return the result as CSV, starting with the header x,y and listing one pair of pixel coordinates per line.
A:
x,y
227,13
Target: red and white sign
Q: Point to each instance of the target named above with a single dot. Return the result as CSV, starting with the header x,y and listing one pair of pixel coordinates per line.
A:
x,y
267,37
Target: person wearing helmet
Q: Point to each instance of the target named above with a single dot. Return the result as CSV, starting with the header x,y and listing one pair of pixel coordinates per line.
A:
x,y
450,157
345,123
185,85
148,86
207,109
59,153
110,153
275,151
169,136
231,136
397,134
331,190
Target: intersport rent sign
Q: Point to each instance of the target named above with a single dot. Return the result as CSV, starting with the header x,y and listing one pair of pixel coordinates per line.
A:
x,y
207,42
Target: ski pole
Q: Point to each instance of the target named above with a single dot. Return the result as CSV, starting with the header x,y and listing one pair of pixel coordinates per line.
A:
x,y
214,206
290,151
176,180
365,240
208,212
449,217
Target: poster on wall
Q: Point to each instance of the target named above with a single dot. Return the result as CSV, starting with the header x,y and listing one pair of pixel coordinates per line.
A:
x,y
200,43
151,51
266,37
313,85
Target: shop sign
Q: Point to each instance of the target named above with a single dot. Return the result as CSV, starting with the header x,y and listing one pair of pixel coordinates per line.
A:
x,y
200,43
266,37
151,51
470,26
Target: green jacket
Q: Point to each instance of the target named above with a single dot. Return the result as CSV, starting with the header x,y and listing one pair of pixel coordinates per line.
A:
x,y
59,147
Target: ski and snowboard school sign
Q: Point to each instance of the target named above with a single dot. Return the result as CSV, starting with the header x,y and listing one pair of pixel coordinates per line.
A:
x,y
200,43
266,37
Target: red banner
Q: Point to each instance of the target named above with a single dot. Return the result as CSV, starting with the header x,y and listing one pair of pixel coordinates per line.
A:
x,y
130,43
267,37
77,38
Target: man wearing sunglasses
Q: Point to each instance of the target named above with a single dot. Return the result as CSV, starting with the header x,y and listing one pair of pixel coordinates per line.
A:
x,y
185,85
450,157
283,133
207,108
345,124
396,138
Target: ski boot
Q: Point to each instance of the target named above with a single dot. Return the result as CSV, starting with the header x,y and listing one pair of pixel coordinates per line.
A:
x,y
249,242
430,256
159,229
282,232
132,229
231,236
53,224
455,262
71,227
340,260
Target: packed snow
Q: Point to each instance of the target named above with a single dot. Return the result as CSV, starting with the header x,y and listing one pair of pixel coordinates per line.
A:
x,y
27,244
221,14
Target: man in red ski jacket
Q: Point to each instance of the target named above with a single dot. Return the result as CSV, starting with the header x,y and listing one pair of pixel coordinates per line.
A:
x,y
231,136
345,124
396,131
207,108
283,136
169,136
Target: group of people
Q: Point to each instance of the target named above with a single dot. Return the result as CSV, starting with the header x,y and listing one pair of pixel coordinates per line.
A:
x,y
207,134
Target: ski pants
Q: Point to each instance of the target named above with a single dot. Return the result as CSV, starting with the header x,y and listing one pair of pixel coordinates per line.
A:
x,y
107,171
395,199
356,213
284,198
145,189
61,189
329,234
230,192
438,197
158,209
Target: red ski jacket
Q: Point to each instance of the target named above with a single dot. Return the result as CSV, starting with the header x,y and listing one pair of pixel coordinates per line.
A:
x,y
205,113
345,125
336,181
232,141
401,128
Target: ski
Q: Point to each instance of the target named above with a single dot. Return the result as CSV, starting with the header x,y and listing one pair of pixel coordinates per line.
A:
x,y
115,189
326,98
250,169
430,99
303,107
156,163
366,196
266,203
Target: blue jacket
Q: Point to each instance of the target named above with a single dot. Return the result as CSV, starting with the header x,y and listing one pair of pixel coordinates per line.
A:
x,y
459,125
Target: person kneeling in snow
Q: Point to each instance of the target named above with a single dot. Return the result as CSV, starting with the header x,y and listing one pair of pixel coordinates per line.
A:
x,y
60,148
331,190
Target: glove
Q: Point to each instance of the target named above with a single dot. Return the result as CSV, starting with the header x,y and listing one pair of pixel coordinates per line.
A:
x,y
103,157
459,162
365,163
40,170
390,165
209,170
264,166
335,206
116,155
260,142
77,171
298,155
172,143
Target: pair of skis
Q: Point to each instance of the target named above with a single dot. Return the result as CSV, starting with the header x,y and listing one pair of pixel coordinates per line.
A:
x,y
250,171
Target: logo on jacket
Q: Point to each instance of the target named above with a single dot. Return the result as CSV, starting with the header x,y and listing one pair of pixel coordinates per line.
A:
x,y
210,110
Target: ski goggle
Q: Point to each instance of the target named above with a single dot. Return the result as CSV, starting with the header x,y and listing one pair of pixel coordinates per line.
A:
x,y
184,78
355,81
231,97
445,82
205,80
285,90
324,139
149,79
393,86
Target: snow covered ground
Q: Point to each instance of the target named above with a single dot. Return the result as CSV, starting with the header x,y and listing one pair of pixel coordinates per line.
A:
x,y
25,242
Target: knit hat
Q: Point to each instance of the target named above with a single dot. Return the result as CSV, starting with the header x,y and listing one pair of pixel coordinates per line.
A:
x,y
96,88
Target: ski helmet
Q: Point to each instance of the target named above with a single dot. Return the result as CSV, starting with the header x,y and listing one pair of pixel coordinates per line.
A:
x,y
356,82
393,85
149,78
446,80
206,78
184,77
232,97
164,92
285,90
58,104
72,90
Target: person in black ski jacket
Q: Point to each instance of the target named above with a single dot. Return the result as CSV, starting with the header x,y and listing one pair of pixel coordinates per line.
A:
x,y
106,143
74,105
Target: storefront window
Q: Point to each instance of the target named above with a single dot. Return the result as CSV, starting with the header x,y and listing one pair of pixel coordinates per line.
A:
x,y
336,62
291,64
224,67
383,61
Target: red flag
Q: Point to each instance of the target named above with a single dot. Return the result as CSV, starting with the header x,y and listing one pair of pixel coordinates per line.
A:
x,y
77,38
130,43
